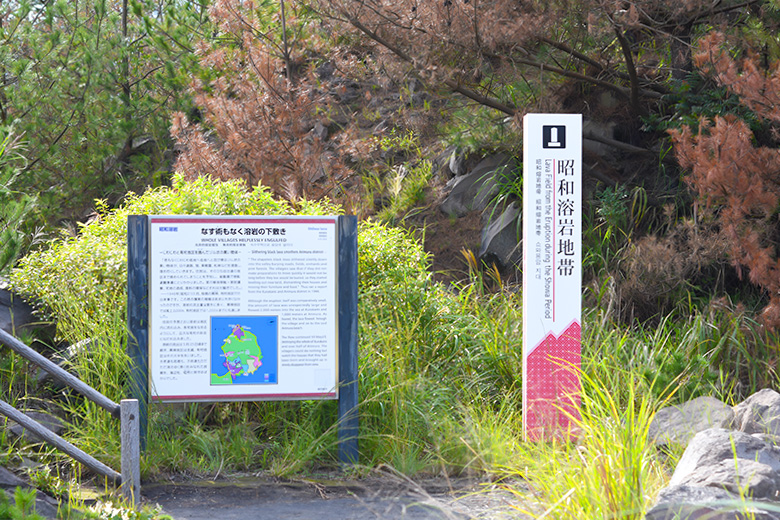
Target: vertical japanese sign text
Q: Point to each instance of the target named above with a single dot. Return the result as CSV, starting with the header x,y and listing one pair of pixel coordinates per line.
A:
x,y
552,272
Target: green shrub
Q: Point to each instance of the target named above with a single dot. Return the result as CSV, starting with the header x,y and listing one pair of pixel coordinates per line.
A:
x,y
22,507
80,281
85,276
392,255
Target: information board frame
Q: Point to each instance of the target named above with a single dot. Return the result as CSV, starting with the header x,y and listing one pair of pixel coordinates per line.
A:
x,y
343,315
277,274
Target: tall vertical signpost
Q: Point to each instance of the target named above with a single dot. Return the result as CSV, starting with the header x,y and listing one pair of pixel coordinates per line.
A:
x,y
239,308
552,273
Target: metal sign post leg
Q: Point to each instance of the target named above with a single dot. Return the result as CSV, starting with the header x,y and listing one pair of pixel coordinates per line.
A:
x,y
137,315
348,341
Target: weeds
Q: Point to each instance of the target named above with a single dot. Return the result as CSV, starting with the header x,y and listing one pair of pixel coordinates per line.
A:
x,y
407,191
476,128
398,187
609,226
612,471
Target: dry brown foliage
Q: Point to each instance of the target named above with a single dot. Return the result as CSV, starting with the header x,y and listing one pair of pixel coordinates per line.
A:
x,y
757,86
658,271
258,117
735,178
474,46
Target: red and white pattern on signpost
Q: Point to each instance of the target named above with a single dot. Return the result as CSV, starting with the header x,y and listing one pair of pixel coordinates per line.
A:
x,y
553,386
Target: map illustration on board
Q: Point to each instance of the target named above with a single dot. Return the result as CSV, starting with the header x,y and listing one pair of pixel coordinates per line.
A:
x,y
244,350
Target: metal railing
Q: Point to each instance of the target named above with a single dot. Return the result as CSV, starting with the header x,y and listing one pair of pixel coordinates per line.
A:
x,y
127,412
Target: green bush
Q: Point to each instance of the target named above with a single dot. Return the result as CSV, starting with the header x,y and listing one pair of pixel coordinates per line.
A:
x,y
80,282
431,359
391,255
85,276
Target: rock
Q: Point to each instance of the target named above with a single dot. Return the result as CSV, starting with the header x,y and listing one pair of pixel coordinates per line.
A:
x,y
9,481
52,423
759,413
475,190
501,238
699,503
15,314
27,464
45,506
325,70
731,461
723,474
346,91
456,163
440,165
678,424
592,130
320,131
751,478
143,145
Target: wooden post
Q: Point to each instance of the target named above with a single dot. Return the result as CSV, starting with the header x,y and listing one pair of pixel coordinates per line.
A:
x,y
59,443
131,451
348,340
138,315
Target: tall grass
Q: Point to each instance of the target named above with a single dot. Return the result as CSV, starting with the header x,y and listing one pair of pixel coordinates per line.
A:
x,y
435,363
612,471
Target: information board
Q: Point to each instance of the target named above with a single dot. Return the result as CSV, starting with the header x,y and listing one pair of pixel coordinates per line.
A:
x,y
552,273
243,308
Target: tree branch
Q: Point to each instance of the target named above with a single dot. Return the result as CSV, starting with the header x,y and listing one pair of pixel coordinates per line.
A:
x,y
452,84
631,68
506,108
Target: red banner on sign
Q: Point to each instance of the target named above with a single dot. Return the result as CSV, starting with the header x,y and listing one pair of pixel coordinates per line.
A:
x,y
553,386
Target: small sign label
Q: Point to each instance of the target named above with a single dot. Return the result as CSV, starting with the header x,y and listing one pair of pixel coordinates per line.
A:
x,y
554,136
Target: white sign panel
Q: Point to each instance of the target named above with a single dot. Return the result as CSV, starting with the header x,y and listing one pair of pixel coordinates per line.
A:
x,y
552,272
242,308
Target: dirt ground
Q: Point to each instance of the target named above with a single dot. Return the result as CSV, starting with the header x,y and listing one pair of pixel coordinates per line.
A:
x,y
383,497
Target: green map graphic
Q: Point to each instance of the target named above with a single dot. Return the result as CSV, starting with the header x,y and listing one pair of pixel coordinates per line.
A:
x,y
241,356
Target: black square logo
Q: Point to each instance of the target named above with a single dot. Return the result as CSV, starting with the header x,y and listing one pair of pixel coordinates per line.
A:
x,y
553,136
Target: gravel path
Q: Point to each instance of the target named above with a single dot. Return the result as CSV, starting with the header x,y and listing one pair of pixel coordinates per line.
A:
x,y
368,499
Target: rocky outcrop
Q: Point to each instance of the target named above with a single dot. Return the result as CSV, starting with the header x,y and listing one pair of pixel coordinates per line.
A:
x,y
45,506
678,424
701,503
731,466
47,420
501,242
759,413
479,186
476,187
